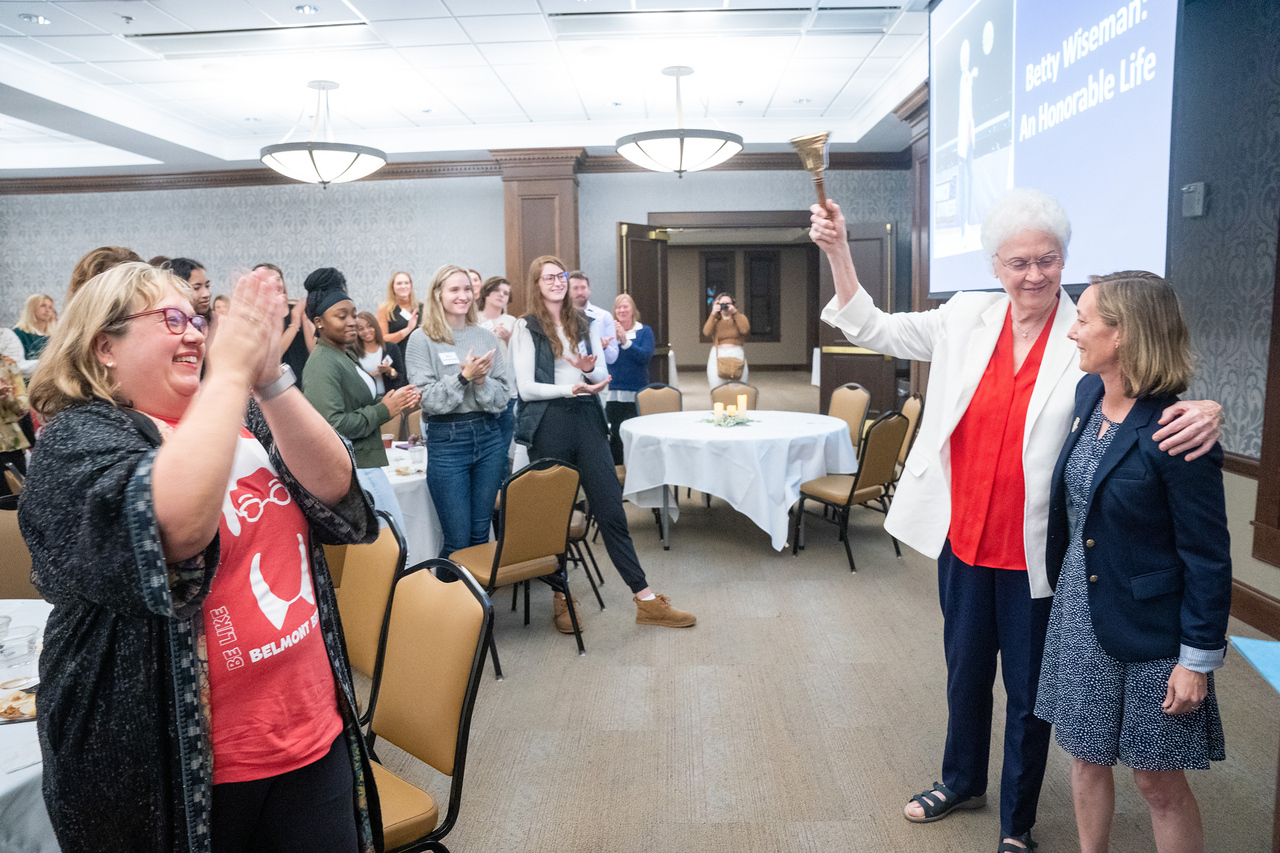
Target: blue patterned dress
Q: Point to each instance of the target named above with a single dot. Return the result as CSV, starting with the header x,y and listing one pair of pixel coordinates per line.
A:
x,y
1102,709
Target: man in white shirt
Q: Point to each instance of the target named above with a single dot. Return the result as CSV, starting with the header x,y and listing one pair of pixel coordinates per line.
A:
x,y
602,326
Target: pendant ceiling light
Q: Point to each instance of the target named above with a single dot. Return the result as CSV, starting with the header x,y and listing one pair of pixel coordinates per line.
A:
x,y
322,162
679,150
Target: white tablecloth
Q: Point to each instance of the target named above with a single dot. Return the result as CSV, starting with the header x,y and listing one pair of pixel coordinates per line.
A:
x,y
24,823
422,535
757,468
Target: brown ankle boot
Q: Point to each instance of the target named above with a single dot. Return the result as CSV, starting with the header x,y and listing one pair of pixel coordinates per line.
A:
x,y
561,615
659,611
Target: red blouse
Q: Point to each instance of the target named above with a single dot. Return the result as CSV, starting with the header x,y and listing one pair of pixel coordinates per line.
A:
x,y
986,450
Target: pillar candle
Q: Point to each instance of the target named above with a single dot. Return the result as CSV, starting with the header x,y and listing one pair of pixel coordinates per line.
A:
x,y
742,402
719,408
731,410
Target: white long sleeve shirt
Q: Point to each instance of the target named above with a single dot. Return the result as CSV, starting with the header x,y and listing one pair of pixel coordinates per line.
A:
x,y
566,375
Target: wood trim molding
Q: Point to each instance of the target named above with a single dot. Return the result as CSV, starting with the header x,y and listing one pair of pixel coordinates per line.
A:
x,y
511,164
1238,463
914,110
1255,607
235,178
730,219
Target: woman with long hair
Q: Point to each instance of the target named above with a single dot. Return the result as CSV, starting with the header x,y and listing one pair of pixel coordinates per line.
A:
x,y
630,371
400,313
560,370
377,357
35,324
462,377
495,295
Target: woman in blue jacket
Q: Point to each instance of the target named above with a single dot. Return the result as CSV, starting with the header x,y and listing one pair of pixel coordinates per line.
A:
x,y
1139,556
630,373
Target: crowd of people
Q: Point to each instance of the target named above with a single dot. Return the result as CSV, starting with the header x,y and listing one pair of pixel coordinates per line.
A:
x,y
205,447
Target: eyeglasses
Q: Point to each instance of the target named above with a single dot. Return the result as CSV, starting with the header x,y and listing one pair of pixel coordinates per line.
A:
x,y
1047,264
552,279
176,320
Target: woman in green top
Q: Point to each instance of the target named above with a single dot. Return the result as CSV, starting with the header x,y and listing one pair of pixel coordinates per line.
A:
x,y
35,324
343,393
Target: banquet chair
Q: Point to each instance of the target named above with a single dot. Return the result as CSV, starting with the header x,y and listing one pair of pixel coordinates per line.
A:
x,y
364,599
877,461
729,391
395,426
656,398
335,556
913,409
579,548
415,423
849,403
433,654
535,507
13,478
15,568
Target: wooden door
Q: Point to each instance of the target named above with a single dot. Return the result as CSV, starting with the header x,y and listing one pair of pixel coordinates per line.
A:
x,y
642,274
871,244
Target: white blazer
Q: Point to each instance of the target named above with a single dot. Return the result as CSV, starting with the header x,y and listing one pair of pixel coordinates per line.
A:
x,y
959,339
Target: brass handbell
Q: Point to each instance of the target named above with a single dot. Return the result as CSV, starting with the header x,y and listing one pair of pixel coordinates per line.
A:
x,y
812,149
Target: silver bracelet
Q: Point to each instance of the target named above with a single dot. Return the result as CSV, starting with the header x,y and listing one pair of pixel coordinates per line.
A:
x,y
279,386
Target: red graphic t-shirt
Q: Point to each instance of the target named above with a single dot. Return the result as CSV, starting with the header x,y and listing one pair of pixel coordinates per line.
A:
x,y
272,698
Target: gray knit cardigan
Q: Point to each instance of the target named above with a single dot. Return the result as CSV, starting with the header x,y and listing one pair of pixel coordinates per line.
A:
x,y
123,712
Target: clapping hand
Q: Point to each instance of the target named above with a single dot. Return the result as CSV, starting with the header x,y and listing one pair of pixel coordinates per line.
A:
x,y
401,399
476,368
585,363
502,333
588,388
248,340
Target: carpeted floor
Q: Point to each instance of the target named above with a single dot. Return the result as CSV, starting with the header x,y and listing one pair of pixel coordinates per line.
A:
x,y
799,714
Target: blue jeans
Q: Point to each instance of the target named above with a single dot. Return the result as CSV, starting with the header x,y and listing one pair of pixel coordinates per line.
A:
x,y
466,461
375,482
507,423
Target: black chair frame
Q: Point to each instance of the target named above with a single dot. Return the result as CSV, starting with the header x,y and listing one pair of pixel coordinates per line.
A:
x,y
399,572
439,566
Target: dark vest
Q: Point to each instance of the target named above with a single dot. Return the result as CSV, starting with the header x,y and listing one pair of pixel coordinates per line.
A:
x,y
529,413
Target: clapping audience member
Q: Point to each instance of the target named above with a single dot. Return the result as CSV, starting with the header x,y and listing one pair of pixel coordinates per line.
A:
x,y
35,324
345,395
97,261
495,295
630,373
195,507
13,409
477,284
559,366
193,273
728,329
299,335
401,312
377,358
462,377
221,304
602,325
1140,557
974,496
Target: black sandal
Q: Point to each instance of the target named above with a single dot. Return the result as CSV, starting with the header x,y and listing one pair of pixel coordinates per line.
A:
x,y
1025,838
936,808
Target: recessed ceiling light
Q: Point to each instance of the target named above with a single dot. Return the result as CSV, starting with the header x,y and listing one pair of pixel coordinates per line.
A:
x,y
35,19
802,100
426,111
617,103
251,118
306,9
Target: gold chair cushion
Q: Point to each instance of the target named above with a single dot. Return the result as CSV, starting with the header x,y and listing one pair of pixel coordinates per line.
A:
x,y
408,812
578,525
478,559
834,488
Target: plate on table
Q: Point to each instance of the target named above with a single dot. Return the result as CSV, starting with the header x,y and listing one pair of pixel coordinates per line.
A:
x,y
18,701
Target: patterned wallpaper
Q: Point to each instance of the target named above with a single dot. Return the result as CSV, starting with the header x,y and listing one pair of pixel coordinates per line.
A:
x,y
607,199
368,230
1227,134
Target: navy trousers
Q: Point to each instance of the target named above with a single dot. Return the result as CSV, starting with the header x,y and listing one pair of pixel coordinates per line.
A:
x,y
988,613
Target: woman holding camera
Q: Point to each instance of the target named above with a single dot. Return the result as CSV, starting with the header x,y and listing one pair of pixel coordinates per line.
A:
x,y
1140,559
728,330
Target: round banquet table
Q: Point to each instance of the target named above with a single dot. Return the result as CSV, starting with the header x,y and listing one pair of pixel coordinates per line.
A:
x,y
24,823
757,468
422,534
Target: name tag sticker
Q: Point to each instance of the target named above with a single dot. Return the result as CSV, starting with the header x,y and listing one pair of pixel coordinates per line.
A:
x,y
1075,425
448,358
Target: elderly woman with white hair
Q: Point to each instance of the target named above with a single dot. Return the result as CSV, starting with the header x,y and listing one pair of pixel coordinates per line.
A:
x,y
975,489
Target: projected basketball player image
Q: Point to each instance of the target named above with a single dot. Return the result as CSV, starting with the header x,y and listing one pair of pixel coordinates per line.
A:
x,y
972,130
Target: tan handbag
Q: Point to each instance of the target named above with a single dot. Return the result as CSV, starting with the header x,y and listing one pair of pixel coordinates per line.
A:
x,y
727,367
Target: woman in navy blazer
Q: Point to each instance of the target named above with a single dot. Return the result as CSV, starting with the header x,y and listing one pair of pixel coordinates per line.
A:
x,y
1139,556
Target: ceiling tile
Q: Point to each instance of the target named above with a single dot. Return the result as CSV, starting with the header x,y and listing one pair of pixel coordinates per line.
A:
x,y
35,49
153,70
500,118
427,31
443,56
517,53
111,16
911,24
398,10
222,15
837,46
570,7
95,73
496,28
472,8
61,22
894,47
97,48
285,12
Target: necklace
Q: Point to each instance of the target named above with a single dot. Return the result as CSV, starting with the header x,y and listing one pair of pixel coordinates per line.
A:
x,y
1034,325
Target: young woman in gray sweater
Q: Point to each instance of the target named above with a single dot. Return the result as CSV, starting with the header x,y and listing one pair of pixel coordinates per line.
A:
x,y
457,367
